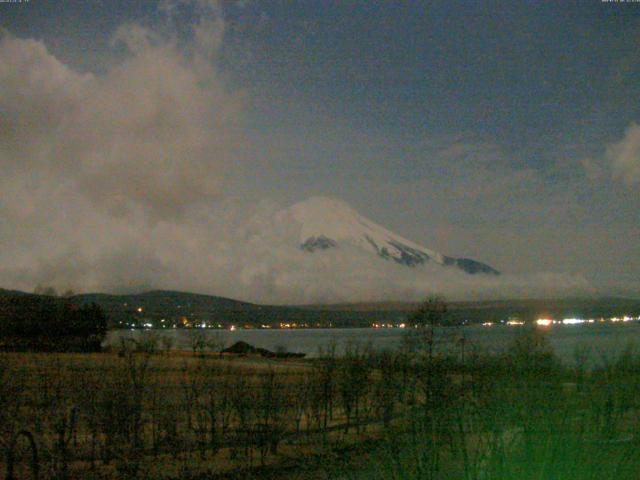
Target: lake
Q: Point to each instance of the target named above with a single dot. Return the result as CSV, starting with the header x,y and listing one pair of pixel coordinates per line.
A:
x,y
602,340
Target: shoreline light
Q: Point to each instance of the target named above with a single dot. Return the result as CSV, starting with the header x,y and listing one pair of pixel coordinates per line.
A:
x,y
572,321
515,322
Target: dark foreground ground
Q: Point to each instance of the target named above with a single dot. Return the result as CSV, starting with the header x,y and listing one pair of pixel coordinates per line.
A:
x,y
400,415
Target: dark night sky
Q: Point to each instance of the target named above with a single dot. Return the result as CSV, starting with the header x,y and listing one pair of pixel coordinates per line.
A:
x,y
147,144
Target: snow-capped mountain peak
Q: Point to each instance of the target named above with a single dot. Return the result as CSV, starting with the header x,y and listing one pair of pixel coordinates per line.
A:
x,y
327,223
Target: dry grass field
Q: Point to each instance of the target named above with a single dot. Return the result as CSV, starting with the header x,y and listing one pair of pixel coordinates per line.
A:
x,y
399,415
168,415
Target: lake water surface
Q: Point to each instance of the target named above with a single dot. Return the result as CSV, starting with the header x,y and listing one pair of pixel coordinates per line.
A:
x,y
603,340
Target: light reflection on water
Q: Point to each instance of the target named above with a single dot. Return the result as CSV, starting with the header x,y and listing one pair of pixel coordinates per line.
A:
x,y
604,341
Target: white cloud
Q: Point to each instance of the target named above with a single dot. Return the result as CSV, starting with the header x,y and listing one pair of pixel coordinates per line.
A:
x,y
117,181
93,164
625,156
154,132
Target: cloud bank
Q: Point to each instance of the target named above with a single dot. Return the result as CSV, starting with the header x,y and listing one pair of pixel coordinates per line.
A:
x,y
625,156
118,181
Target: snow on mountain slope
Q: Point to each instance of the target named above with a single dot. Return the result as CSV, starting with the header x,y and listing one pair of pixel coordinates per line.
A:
x,y
327,223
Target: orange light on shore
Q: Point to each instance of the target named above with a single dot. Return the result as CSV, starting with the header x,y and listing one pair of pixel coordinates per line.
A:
x,y
544,322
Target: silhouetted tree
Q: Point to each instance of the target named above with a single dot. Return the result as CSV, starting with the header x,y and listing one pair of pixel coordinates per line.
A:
x,y
49,323
431,313
47,291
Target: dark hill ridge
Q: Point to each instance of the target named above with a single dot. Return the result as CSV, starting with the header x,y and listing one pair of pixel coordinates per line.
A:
x,y
175,306
159,299
12,293
171,305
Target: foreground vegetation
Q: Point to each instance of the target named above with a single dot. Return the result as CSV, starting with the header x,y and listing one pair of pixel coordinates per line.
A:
x,y
50,324
144,412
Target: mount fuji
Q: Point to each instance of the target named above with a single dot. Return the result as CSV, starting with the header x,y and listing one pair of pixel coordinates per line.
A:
x,y
328,223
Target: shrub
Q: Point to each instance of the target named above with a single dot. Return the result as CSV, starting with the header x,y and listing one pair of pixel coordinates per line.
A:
x,y
46,323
